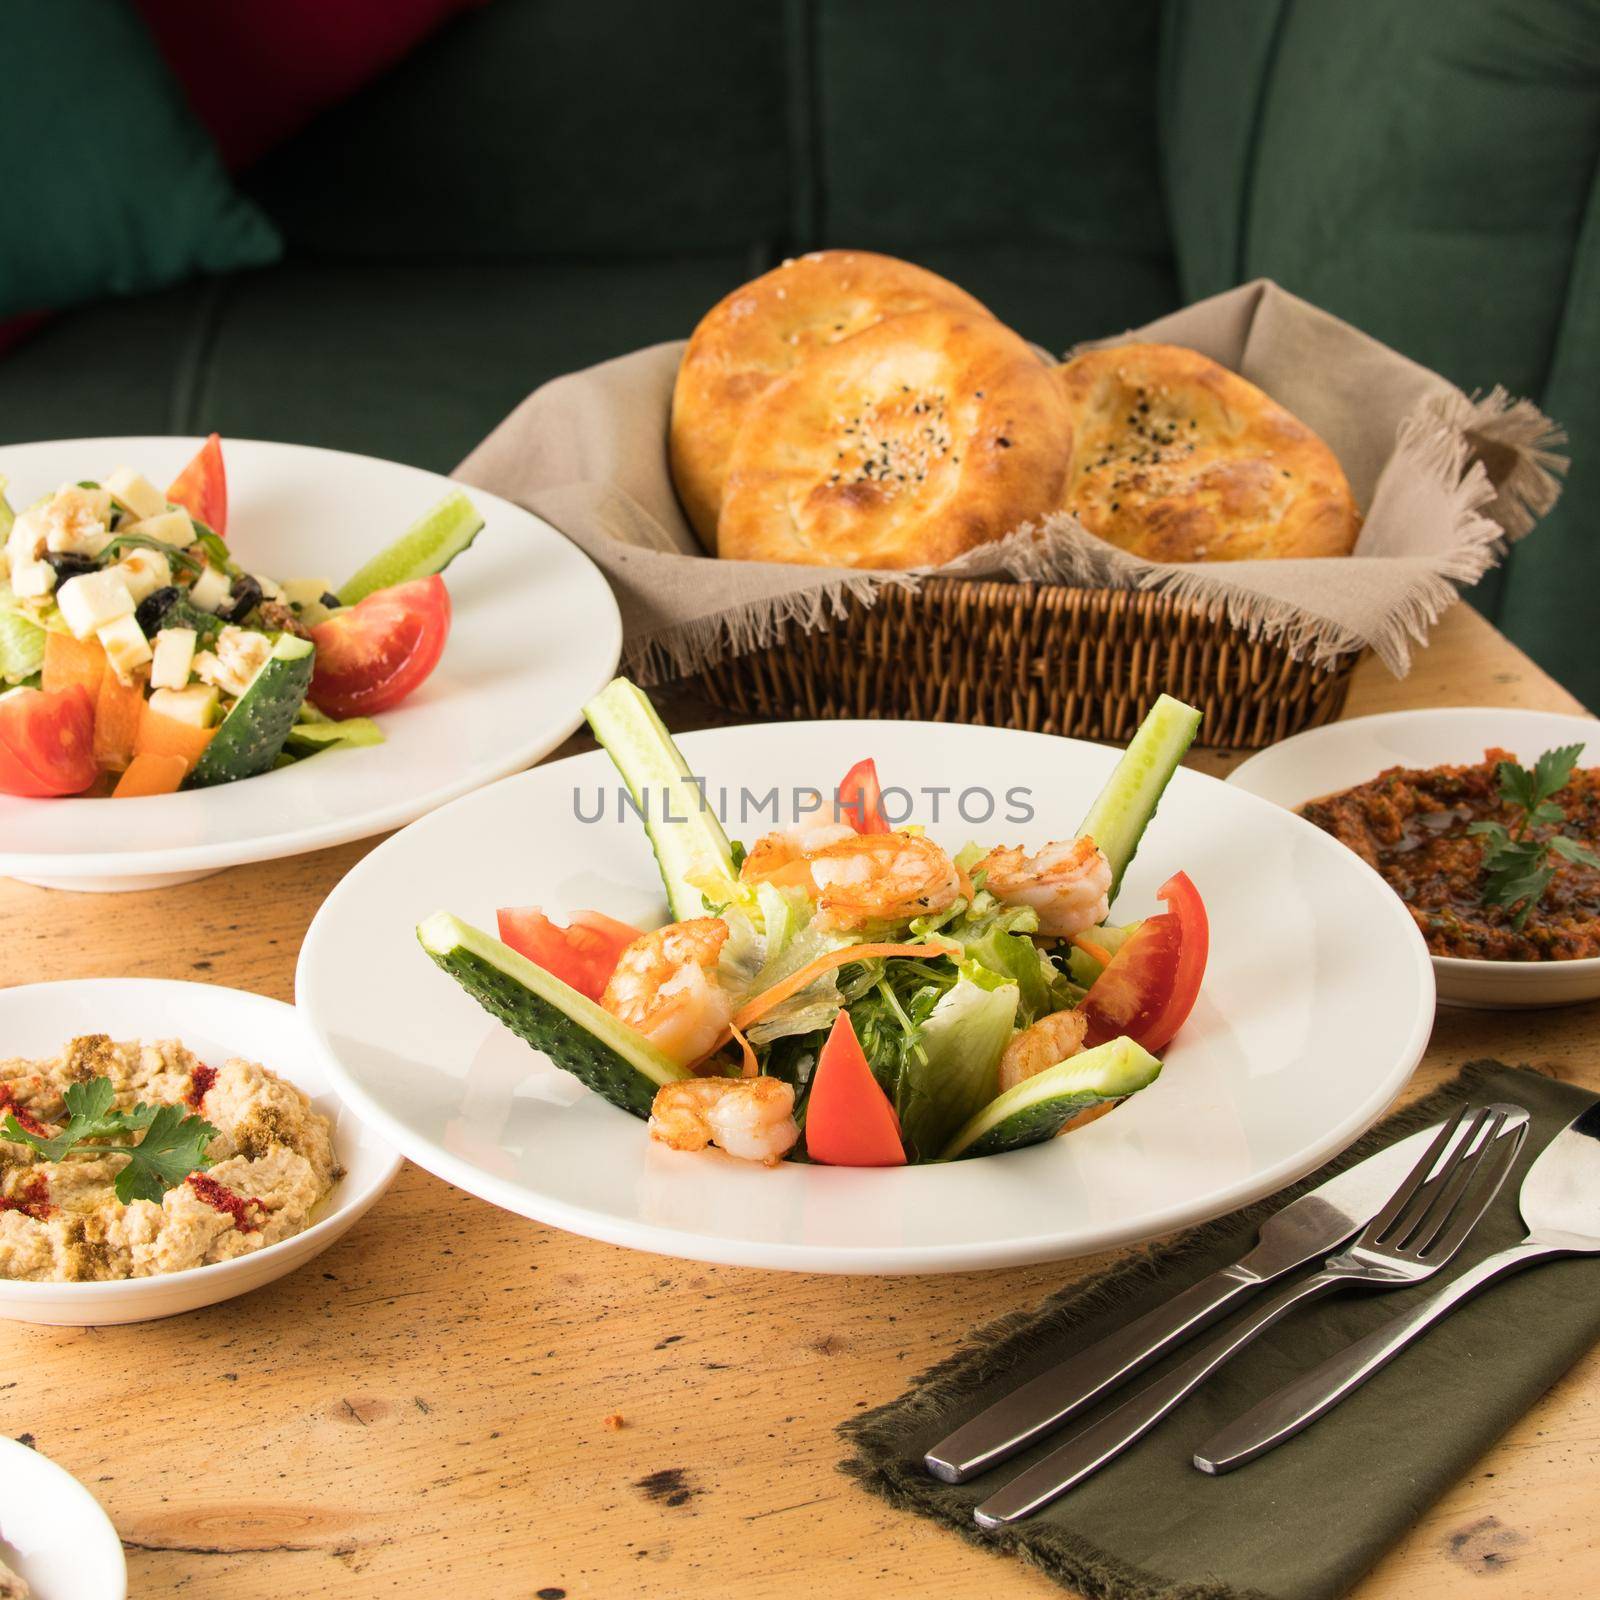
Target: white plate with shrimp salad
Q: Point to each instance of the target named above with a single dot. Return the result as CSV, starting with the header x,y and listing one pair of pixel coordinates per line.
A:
x,y
866,996
227,651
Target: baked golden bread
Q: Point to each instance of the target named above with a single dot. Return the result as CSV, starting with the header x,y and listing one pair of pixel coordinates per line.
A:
x,y
1178,459
759,332
907,445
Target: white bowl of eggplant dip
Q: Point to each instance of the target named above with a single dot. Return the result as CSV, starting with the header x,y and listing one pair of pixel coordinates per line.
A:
x,y
164,1146
1484,820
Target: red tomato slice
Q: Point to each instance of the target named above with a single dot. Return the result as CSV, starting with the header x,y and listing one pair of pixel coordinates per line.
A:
x,y
371,655
202,487
583,955
1151,985
47,742
849,1121
861,798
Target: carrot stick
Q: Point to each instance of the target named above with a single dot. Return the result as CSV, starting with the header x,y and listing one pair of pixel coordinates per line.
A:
x,y
752,1067
1091,949
758,1007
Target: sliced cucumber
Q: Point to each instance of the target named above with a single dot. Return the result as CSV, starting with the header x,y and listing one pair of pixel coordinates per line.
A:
x,y
1040,1106
1119,816
428,546
692,851
586,1040
252,735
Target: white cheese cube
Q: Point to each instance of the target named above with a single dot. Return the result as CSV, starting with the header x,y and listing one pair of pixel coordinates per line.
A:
x,y
240,654
91,600
174,655
144,571
136,492
125,646
170,527
74,500
32,580
211,590
197,704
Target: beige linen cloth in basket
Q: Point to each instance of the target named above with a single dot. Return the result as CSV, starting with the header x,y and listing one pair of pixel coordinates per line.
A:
x,y
1444,480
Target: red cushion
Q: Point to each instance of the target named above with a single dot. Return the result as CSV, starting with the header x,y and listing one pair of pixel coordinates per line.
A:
x,y
257,71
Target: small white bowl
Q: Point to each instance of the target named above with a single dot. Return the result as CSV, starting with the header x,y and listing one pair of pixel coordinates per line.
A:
x,y
1342,754
53,1532
37,1019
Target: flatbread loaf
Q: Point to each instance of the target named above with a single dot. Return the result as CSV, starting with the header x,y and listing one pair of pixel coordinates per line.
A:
x,y
759,332
922,438
1178,459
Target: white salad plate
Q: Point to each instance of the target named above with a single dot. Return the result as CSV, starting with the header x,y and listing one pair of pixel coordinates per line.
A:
x,y
535,632
1325,760
1316,1008
53,1532
37,1019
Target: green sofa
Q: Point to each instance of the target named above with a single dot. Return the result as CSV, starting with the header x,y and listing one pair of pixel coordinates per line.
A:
x,y
542,186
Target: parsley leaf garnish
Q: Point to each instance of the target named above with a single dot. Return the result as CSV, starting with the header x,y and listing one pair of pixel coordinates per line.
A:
x,y
173,1146
1517,867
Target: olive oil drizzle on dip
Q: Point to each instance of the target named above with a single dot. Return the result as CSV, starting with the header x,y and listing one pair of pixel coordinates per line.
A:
x,y
1412,825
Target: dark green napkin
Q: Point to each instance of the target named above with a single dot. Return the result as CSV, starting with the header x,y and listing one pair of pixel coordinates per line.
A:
x,y
1305,1521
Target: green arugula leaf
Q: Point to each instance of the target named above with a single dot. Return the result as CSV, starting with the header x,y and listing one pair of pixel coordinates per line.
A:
x,y
173,1146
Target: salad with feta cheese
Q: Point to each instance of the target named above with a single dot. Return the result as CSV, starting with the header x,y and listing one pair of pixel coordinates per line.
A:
x,y
138,657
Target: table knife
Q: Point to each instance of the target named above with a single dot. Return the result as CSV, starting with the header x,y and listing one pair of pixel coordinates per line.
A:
x,y
1305,1230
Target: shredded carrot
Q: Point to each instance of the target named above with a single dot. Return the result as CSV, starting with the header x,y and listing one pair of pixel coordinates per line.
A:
x,y
964,881
1090,948
826,962
752,1067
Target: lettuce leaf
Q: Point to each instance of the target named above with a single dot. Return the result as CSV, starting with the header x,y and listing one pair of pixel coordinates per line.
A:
x,y
955,1073
21,640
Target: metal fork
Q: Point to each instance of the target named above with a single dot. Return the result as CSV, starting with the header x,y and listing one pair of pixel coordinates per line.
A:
x,y
1420,1229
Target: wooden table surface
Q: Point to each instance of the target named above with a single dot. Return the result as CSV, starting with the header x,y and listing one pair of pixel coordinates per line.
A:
x,y
424,1406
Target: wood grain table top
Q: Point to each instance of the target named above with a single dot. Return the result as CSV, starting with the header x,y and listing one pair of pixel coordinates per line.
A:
x,y
424,1408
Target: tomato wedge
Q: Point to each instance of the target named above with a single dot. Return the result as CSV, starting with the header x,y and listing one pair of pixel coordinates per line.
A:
x,y
202,487
583,955
47,742
1151,985
861,798
371,655
849,1121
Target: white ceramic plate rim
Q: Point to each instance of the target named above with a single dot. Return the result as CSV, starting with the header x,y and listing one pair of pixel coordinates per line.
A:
x,y
346,1197
93,1527
519,752
1464,966
786,1255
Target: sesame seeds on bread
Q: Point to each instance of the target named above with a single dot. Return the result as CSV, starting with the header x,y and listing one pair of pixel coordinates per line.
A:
x,y
905,445
761,331
1175,458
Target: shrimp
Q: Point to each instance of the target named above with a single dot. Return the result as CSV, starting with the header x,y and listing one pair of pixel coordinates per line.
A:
x,y
1050,1040
751,1118
860,878
1069,885
665,985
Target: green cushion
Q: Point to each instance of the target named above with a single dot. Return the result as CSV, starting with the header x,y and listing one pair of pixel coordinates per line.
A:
x,y
110,186
1057,295
526,128
1426,173
1012,120
416,363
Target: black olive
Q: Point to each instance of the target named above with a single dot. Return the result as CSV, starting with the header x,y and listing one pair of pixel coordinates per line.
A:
x,y
331,600
246,597
67,565
153,608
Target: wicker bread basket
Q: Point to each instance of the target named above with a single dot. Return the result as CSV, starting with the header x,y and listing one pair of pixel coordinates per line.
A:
x,y
1044,657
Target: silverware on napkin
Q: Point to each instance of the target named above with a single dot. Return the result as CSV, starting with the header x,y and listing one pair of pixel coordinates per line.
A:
x,y
1302,1231
1560,1204
1416,1233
